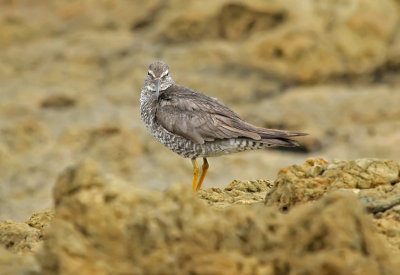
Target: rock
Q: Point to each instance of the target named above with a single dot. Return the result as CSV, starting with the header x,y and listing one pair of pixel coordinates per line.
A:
x,y
41,220
381,198
57,102
237,192
25,135
296,184
291,39
19,241
340,36
71,81
315,110
223,20
104,225
388,224
25,237
18,236
117,147
11,263
362,173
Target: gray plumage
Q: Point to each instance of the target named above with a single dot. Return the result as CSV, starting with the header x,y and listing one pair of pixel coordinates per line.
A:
x,y
195,125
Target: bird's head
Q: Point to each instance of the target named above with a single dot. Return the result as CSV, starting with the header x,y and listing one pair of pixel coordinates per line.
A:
x,y
158,77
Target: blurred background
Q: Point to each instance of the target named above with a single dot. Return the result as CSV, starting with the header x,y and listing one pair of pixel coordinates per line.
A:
x,y
71,74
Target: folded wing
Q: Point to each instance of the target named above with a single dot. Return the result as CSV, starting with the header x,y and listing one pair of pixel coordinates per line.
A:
x,y
204,119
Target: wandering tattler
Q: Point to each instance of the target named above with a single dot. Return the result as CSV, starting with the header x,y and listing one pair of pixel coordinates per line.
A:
x,y
194,125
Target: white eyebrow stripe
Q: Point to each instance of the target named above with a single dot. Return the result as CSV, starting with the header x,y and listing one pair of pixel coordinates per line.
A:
x,y
164,73
151,72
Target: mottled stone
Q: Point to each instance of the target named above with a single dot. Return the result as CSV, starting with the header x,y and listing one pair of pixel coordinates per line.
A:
x,y
308,182
124,229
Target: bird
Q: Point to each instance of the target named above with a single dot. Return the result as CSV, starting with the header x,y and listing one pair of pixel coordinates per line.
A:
x,y
195,125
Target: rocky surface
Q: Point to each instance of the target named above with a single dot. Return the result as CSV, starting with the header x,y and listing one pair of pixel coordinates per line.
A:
x,y
11,263
291,39
70,82
388,224
238,192
104,225
371,179
19,242
70,76
25,236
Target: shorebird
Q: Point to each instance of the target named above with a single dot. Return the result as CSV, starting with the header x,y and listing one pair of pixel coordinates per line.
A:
x,y
195,125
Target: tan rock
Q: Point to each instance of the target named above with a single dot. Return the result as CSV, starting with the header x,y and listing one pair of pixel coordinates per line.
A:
x,y
92,57
25,135
316,177
237,192
388,224
19,236
25,237
362,173
104,225
321,40
41,220
305,41
344,121
57,101
11,263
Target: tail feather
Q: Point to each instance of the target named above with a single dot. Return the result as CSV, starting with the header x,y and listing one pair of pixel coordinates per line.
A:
x,y
273,133
272,137
285,142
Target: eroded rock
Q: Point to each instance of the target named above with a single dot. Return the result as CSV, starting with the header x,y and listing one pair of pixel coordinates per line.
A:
x,y
57,101
316,177
71,81
25,237
106,225
12,263
237,192
388,224
17,237
291,39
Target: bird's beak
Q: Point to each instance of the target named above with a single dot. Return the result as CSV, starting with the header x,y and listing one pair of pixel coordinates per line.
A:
x,y
158,87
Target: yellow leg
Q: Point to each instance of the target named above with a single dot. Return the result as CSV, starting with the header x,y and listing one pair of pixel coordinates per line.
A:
x,y
204,170
195,174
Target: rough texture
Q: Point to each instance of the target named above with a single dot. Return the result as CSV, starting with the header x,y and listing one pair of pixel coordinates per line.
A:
x,y
25,236
24,264
375,182
68,83
101,224
19,236
388,224
41,220
237,192
307,182
19,241
71,78
291,39
105,225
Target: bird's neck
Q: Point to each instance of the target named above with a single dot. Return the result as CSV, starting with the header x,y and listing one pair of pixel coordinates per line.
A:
x,y
148,95
147,104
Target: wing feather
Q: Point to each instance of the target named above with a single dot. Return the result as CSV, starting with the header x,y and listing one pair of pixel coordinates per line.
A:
x,y
200,118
